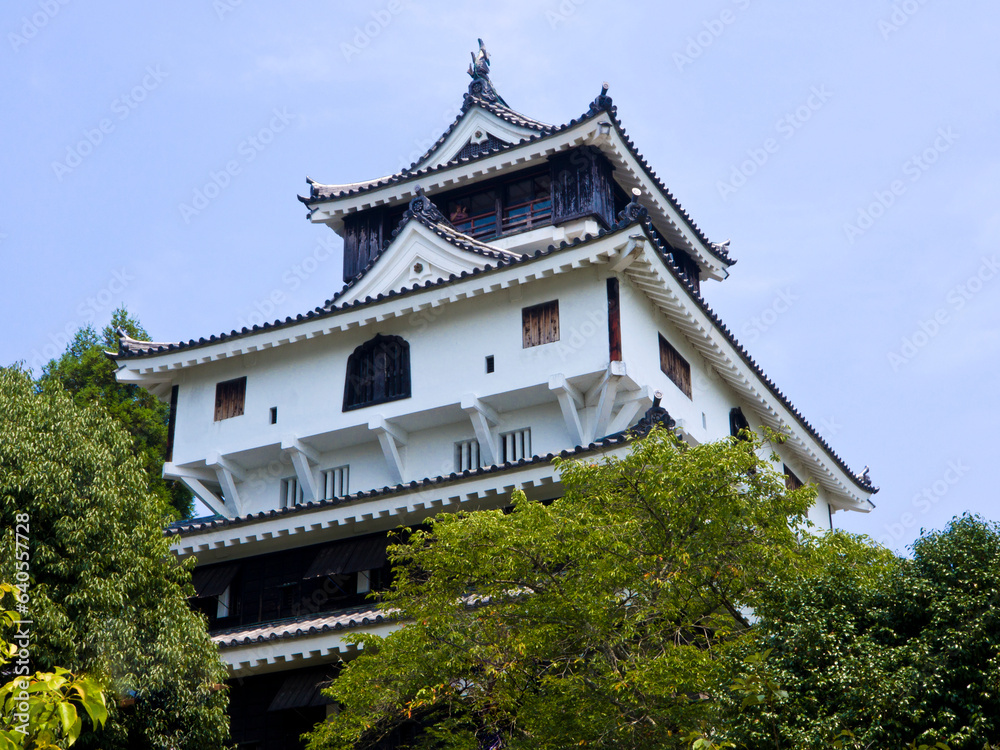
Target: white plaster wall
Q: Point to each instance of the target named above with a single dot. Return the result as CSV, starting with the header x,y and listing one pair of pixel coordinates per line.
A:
x,y
448,346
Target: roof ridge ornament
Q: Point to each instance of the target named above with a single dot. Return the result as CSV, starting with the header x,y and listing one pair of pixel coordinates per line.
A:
x,y
634,210
481,86
602,102
655,415
421,205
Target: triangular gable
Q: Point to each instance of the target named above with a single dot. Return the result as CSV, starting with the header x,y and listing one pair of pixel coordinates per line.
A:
x,y
475,127
415,256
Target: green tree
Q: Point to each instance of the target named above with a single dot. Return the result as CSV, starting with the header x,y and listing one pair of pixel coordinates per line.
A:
x,y
106,596
599,619
41,711
87,374
878,651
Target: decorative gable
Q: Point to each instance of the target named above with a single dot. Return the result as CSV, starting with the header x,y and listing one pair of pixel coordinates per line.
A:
x,y
476,132
415,256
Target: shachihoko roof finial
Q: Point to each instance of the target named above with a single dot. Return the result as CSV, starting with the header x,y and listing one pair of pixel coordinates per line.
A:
x,y
479,70
634,210
602,101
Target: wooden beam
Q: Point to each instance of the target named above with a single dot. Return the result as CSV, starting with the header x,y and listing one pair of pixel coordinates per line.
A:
x,y
303,458
570,402
484,420
629,254
391,437
633,404
216,459
200,491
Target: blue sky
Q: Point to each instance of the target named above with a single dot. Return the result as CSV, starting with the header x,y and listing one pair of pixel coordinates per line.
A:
x,y
849,150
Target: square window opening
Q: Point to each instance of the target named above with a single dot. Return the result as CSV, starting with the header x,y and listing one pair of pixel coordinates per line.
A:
x,y
230,397
675,367
540,324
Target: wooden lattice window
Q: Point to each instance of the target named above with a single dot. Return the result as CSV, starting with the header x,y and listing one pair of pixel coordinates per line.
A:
x,y
675,366
515,445
540,323
335,482
230,396
467,455
377,371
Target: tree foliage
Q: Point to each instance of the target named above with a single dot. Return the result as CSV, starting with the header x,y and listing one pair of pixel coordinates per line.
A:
x,y
41,711
599,620
86,373
876,651
107,597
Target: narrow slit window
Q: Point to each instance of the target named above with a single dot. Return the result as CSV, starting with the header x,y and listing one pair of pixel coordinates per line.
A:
x,y
515,445
490,364
540,324
230,396
675,367
274,415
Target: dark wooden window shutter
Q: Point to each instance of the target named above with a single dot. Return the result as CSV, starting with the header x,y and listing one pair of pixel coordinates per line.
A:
x,y
540,324
737,421
377,371
675,366
792,482
230,396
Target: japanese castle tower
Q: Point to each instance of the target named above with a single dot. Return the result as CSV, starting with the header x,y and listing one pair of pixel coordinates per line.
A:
x,y
521,291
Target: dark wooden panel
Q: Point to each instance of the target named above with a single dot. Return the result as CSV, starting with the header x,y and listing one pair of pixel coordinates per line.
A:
x,y
230,397
582,186
377,371
540,324
363,236
792,482
737,421
675,367
614,321
171,424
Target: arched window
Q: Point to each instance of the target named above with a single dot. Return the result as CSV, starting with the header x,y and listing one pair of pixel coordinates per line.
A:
x,y
377,371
